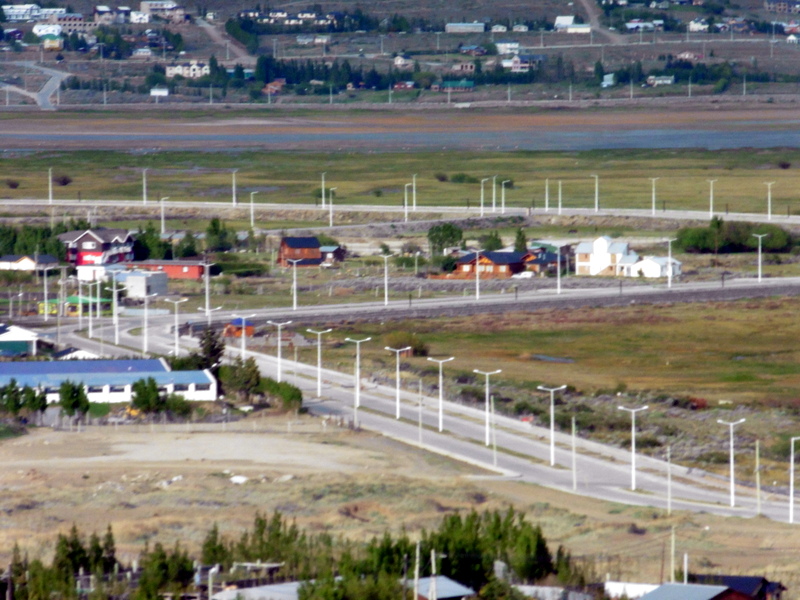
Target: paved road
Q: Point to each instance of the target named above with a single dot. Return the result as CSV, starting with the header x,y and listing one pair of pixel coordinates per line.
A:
x,y
44,96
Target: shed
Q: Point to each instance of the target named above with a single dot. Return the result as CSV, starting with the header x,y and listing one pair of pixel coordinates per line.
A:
x,y
234,328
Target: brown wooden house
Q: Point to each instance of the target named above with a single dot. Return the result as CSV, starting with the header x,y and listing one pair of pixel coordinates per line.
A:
x,y
303,249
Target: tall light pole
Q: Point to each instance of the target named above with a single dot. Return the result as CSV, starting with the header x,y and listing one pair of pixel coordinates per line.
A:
x,y
503,195
89,285
330,204
115,307
653,181
414,191
711,183
233,186
319,335
386,258
487,374
294,262
280,344
669,261
357,376
769,185
477,275
397,352
322,189
596,193
46,308
252,211
552,419
163,229
731,425
559,196
405,202
50,185
177,336
243,320
759,236
482,196
207,280
144,187
558,269
208,312
144,322
494,193
441,362
633,412
791,481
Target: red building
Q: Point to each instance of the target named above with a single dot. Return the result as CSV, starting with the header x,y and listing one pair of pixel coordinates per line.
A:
x,y
175,269
306,250
98,246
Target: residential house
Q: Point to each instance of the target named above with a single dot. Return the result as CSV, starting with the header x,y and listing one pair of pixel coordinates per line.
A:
x,y
164,9
52,42
332,255
507,47
473,50
175,269
17,341
474,27
22,262
21,12
494,265
698,25
98,246
142,53
275,87
403,63
603,256
758,588
690,591
791,39
237,326
544,592
103,15
563,22
464,67
653,267
657,80
190,70
440,587
546,262
520,28
499,29
403,85
306,250
139,284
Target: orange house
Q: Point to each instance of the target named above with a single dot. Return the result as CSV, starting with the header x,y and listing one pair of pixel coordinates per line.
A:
x,y
306,250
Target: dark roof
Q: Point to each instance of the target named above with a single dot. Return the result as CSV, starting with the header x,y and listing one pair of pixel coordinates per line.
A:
x,y
42,258
101,233
498,258
301,242
65,352
305,262
751,585
545,258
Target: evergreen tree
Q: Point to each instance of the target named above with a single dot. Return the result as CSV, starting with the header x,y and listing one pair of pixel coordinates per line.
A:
x,y
520,241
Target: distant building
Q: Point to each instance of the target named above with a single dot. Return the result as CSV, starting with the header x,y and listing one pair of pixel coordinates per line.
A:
x,y
21,12
24,262
98,246
306,250
465,27
139,284
190,70
563,22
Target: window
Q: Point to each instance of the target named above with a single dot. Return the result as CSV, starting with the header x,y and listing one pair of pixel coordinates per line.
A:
x,y
202,387
181,387
95,389
185,269
116,389
89,245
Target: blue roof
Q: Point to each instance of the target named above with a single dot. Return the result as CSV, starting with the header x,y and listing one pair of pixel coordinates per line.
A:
x,y
301,242
498,258
54,380
445,588
240,321
78,368
687,591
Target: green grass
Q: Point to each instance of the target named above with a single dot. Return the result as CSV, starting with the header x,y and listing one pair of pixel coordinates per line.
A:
x,y
293,177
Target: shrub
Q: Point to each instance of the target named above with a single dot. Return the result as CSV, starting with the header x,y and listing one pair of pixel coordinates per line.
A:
x,y
401,339
291,396
784,164
441,177
12,183
463,178
62,180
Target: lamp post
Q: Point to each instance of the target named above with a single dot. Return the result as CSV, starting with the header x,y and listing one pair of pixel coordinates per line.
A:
x,y
252,213
115,307
357,377
243,319
176,303
653,181
330,204
731,425
669,261
487,374
711,183
233,186
280,341
144,187
494,193
319,335
405,202
477,275
769,185
759,236
294,262
558,269
208,312
414,191
503,195
322,191
50,185
397,352
163,229
207,280
633,412
559,196
144,323
791,481
482,196
89,285
46,308
596,193
441,362
552,419
386,258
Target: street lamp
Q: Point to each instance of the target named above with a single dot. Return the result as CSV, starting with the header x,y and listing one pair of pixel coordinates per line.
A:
x,y
414,191
322,189
243,319
163,230
115,307
558,269
791,481
487,374
207,280
441,388
330,203
50,185
482,182
405,202
144,187
769,185
357,397
759,236
89,285
208,312
252,214
596,193
669,261
294,262
653,181
319,335
398,352
711,183
233,186
477,275
503,195
46,308
633,412
552,419
386,258
733,476
176,303
494,193
559,196
144,323
279,326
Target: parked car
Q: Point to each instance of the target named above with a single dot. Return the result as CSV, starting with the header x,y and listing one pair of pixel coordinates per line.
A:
x,y
523,275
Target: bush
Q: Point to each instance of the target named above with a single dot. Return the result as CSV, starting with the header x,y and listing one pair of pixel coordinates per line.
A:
x,y
401,339
784,164
463,178
12,183
291,396
441,177
62,180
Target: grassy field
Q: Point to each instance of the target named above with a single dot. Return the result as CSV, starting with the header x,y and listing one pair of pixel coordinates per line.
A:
x,y
380,178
